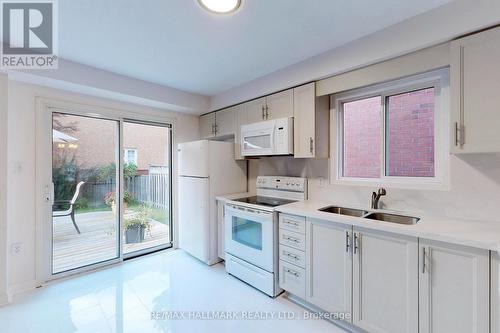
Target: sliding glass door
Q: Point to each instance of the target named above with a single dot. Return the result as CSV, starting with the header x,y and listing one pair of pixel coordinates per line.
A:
x,y
112,190
147,187
85,170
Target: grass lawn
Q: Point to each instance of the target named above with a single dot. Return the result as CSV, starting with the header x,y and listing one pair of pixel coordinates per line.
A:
x,y
157,214
102,208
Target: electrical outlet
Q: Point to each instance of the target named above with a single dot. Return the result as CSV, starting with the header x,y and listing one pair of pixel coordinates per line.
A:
x,y
15,248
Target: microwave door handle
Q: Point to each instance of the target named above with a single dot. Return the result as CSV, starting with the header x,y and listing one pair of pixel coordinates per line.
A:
x,y
273,138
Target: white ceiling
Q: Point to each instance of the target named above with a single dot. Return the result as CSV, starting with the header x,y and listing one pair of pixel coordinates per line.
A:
x,y
175,43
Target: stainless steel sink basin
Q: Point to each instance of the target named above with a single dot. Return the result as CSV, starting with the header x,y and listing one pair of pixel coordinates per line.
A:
x,y
393,218
343,211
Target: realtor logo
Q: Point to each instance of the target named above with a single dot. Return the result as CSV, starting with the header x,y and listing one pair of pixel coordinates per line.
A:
x,y
28,34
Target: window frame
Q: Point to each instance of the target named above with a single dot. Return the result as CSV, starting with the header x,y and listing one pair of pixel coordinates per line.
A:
x,y
437,79
125,155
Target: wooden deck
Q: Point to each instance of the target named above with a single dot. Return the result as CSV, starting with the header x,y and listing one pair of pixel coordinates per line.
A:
x,y
97,241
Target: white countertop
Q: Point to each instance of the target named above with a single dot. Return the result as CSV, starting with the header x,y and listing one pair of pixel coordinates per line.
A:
x,y
479,234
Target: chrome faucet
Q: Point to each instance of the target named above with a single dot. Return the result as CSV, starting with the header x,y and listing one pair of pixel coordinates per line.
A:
x,y
376,197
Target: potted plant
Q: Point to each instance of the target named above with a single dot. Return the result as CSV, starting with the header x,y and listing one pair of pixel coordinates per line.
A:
x,y
136,225
110,200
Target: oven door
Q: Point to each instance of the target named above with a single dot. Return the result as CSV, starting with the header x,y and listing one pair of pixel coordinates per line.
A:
x,y
249,235
258,139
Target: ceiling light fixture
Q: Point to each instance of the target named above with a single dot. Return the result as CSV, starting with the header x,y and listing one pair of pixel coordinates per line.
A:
x,y
220,6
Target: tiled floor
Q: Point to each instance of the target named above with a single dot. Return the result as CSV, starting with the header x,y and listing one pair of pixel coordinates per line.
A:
x,y
121,299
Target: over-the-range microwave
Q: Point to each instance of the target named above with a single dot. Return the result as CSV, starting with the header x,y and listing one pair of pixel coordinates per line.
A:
x,y
267,138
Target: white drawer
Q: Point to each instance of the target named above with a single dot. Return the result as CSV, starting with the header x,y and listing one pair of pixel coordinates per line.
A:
x,y
292,279
293,223
292,239
251,274
293,256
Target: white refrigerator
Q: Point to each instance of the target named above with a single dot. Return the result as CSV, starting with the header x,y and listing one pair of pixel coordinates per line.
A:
x,y
206,169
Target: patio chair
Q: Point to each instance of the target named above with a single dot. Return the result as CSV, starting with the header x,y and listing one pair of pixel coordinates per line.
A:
x,y
71,210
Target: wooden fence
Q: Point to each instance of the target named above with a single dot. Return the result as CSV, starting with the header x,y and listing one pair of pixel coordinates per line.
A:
x,y
152,189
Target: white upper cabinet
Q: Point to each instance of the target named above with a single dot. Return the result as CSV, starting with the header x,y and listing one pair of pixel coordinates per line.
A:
x,y
328,266
475,93
311,123
225,122
454,289
255,110
207,126
279,105
219,124
385,282
241,119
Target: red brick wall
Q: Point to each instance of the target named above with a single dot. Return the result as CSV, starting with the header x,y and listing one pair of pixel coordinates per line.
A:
x,y
411,134
410,140
362,138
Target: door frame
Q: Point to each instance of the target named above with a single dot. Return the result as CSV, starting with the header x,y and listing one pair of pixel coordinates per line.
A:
x,y
44,196
139,253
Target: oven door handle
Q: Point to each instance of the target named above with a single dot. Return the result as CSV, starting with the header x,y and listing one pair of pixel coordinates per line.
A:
x,y
248,212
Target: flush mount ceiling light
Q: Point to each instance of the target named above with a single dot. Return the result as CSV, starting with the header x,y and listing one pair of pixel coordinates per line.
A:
x,y
220,6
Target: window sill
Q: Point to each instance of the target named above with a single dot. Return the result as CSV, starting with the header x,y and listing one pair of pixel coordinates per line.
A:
x,y
407,183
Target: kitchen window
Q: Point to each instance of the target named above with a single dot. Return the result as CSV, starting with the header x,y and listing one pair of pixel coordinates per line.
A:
x,y
393,134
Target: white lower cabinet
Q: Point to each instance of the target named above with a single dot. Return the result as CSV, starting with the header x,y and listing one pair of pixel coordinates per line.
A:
x,y
495,293
328,266
221,251
388,282
385,282
292,279
454,288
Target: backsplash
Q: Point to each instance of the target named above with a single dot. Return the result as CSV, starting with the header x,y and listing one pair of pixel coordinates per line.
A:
x,y
474,187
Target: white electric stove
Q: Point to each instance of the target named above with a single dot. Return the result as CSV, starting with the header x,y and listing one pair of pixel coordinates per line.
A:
x,y
251,231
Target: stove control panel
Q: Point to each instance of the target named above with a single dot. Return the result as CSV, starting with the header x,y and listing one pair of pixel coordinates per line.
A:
x,y
296,184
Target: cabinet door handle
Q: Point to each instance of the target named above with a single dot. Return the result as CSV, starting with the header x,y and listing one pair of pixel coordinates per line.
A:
x,y
356,243
311,145
347,239
267,112
216,127
423,260
263,113
459,134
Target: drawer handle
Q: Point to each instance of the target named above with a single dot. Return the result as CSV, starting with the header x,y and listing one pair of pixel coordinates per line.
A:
x,y
295,224
292,239
291,255
292,272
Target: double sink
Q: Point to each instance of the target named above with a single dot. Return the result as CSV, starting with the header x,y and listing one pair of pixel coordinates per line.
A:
x,y
384,217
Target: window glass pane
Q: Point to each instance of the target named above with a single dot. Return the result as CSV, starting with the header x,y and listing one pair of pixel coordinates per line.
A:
x,y
410,134
362,138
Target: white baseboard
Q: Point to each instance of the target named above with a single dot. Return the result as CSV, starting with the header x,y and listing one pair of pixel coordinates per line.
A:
x,y
4,299
312,308
22,287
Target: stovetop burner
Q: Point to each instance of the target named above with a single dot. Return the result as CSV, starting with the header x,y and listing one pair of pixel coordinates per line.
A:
x,y
264,201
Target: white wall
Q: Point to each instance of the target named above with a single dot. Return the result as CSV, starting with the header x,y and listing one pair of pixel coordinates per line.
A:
x,y
21,167
474,187
436,26
3,187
